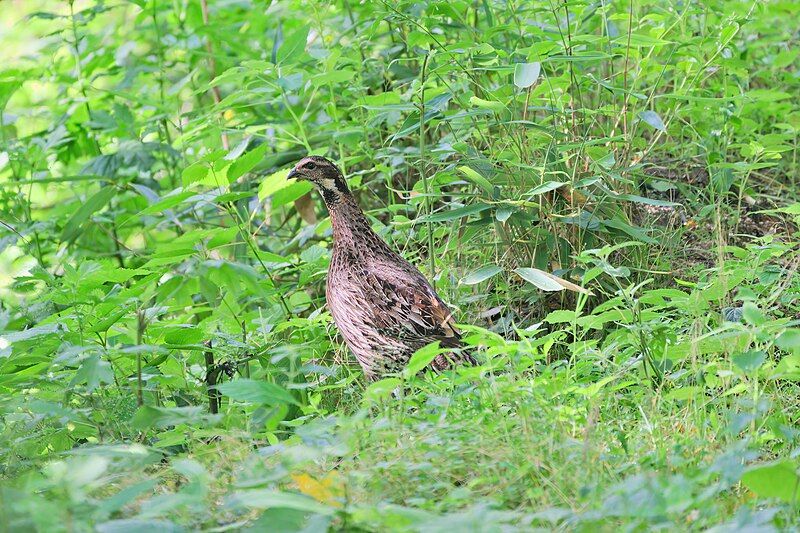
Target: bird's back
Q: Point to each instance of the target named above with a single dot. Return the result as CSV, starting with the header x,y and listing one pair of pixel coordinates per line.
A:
x,y
383,306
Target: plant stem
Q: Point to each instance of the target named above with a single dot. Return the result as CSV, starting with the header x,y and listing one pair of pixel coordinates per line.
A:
x,y
422,173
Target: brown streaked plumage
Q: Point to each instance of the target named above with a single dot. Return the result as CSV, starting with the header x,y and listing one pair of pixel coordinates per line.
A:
x,y
383,306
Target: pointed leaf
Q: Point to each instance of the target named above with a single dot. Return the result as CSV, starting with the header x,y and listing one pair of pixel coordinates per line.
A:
x,y
482,274
652,118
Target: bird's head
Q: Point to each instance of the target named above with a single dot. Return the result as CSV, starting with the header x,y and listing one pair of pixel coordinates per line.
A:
x,y
323,174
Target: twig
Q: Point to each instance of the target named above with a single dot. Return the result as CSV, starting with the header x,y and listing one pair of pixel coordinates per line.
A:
x,y
212,70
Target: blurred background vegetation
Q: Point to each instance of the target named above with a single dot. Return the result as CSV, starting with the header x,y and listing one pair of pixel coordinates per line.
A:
x,y
166,358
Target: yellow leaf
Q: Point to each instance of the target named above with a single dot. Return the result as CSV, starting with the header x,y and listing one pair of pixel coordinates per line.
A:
x,y
329,489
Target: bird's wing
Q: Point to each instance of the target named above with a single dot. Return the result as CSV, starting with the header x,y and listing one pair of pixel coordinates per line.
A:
x,y
409,309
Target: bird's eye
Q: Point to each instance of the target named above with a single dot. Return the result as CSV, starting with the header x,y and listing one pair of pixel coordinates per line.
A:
x,y
310,166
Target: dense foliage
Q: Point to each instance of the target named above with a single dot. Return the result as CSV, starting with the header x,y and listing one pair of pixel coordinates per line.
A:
x,y
604,192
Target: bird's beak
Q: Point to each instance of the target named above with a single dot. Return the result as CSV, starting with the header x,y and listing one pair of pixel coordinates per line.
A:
x,y
293,174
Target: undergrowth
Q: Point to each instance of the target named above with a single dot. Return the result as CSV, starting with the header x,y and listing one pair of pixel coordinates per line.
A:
x,y
605,193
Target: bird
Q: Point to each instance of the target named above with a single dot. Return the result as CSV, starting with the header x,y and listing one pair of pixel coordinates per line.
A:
x,y
383,306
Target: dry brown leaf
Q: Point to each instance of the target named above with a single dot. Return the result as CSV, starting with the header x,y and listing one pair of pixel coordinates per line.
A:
x,y
305,206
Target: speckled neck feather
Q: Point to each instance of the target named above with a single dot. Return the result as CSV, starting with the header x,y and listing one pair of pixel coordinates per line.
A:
x,y
351,228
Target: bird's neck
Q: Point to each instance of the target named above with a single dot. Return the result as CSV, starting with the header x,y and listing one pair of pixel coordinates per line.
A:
x,y
347,218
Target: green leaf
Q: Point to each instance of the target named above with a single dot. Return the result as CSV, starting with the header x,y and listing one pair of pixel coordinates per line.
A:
x,y
96,202
454,214
482,274
503,213
382,388
789,340
422,358
526,74
147,416
293,46
291,193
476,178
538,278
7,89
497,107
548,282
269,499
273,183
194,173
652,118
92,372
138,525
545,187
752,314
749,361
774,480
252,391
246,162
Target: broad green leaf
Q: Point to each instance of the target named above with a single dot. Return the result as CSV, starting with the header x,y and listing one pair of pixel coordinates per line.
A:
x,y
539,278
292,46
482,274
149,416
7,89
253,391
138,525
273,183
194,173
778,480
92,372
789,340
290,193
750,361
548,282
503,213
246,162
382,388
653,119
269,499
422,358
526,74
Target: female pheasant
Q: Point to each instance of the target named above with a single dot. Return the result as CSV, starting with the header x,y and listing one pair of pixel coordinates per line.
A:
x,y
383,306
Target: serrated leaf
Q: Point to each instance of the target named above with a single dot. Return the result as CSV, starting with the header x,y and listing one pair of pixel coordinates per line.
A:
x,y
92,372
194,173
246,162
